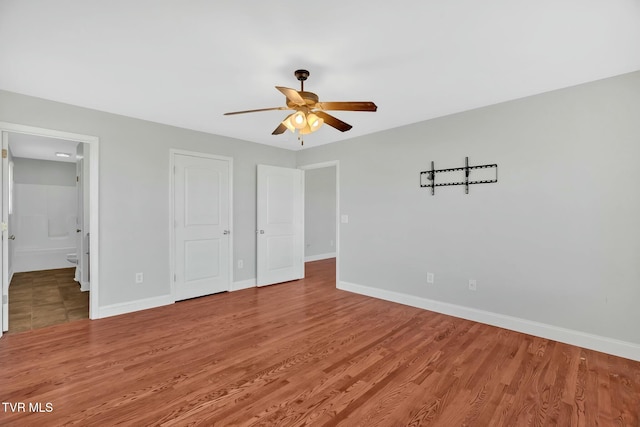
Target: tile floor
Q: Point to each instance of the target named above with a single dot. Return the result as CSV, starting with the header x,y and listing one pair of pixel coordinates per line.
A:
x,y
44,298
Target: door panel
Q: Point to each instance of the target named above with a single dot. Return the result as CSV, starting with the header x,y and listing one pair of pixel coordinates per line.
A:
x,y
202,259
280,225
4,251
201,212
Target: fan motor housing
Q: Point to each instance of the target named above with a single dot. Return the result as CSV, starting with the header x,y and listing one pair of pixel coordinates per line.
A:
x,y
309,97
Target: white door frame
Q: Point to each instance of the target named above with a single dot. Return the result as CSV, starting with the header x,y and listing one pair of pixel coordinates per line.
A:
x,y
94,197
172,219
328,164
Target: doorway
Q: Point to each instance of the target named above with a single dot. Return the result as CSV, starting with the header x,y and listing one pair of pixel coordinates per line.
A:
x,y
322,212
89,146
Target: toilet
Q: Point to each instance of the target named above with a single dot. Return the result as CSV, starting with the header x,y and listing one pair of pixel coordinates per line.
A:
x,y
72,258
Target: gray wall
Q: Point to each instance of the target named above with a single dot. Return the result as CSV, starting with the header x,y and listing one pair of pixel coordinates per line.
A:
x,y
43,172
134,189
556,240
320,211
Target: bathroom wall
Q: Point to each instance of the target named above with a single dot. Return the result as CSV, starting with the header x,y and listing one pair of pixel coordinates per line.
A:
x,y
44,214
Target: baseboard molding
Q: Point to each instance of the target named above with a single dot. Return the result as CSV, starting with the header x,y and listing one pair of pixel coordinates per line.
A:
x,y
243,284
319,257
612,346
129,307
84,287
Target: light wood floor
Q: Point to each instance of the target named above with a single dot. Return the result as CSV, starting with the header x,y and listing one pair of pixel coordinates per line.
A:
x,y
304,353
38,299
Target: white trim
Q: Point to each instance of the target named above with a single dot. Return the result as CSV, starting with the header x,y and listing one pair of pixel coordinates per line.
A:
x,y
612,346
243,284
319,165
172,153
319,257
94,198
131,306
49,133
329,164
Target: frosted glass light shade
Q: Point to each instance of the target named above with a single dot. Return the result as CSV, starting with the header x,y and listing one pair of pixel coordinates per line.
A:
x,y
298,120
287,122
314,122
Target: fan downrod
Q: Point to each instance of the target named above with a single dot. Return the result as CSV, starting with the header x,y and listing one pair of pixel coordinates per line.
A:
x,y
301,75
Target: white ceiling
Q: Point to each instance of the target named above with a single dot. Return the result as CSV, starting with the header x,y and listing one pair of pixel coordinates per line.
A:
x,y
186,63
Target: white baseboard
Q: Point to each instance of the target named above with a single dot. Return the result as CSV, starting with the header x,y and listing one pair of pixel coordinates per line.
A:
x,y
612,346
85,286
129,307
243,284
319,257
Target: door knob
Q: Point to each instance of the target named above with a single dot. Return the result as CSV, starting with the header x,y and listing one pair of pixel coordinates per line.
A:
x,y
78,230
12,237
226,232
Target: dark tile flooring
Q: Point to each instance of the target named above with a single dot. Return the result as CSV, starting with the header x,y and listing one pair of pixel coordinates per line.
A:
x,y
44,298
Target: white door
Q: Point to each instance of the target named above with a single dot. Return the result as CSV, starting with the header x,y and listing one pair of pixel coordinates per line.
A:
x,y
4,170
280,223
202,214
80,246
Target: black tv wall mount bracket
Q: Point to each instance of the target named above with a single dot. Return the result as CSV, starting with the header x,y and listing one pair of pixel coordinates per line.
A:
x,y
428,178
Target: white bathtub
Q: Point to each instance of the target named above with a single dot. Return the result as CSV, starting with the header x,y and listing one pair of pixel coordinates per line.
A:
x,y
41,259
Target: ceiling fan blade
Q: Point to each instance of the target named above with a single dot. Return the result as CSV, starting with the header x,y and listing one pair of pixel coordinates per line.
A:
x,y
347,106
333,122
255,111
292,95
281,127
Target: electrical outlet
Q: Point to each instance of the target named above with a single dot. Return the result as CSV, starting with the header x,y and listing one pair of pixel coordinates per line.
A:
x,y
240,263
472,284
430,278
139,278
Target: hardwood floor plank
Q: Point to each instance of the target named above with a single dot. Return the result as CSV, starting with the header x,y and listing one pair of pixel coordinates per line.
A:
x,y
305,354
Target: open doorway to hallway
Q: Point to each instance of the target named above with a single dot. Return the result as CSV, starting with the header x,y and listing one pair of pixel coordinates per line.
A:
x,y
322,207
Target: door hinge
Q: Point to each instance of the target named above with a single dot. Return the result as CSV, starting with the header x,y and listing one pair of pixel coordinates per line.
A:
x,y
77,179
4,153
174,278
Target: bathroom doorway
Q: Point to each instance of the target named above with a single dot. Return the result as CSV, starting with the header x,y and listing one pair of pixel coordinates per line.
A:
x,y
48,266
50,221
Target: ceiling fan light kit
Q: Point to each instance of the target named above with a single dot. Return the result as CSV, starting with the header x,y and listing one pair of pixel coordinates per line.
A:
x,y
310,114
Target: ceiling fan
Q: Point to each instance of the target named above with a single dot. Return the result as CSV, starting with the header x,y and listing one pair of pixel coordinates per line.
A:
x,y
309,113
